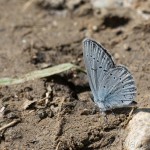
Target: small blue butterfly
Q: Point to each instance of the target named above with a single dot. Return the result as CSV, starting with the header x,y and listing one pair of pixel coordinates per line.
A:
x,y
112,86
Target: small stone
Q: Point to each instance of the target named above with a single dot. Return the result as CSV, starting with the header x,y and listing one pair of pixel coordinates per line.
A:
x,y
116,56
127,47
42,114
85,112
24,41
95,28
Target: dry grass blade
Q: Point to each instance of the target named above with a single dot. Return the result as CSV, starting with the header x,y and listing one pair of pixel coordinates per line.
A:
x,y
39,74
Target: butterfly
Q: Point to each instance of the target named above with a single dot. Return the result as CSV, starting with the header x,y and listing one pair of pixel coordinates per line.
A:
x,y
112,86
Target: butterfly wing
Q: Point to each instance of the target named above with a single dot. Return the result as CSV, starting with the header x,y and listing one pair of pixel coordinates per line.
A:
x,y
118,87
111,86
97,62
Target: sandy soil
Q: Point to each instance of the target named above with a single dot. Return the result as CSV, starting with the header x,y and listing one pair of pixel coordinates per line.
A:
x,y
35,33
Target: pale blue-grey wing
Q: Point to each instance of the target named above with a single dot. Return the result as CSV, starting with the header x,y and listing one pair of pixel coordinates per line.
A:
x,y
97,62
118,88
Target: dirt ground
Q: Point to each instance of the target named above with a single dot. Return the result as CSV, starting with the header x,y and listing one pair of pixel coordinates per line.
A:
x,y
35,34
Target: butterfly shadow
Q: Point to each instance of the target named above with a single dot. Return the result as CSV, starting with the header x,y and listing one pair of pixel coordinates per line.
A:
x,y
140,109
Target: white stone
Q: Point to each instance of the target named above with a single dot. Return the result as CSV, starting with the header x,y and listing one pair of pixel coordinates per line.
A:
x,y
138,137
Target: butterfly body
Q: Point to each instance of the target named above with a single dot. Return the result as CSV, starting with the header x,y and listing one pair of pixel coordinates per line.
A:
x,y
112,86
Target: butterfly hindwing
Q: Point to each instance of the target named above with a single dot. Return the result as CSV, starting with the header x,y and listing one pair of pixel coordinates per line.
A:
x,y
119,88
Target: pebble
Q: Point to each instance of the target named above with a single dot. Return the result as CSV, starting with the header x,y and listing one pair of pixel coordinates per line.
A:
x,y
42,114
85,112
126,47
116,56
138,129
95,28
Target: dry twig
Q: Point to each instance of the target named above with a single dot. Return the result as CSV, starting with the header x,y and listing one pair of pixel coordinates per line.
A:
x,y
9,124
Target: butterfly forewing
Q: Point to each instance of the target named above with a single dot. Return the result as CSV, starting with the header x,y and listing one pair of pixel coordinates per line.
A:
x,y
97,62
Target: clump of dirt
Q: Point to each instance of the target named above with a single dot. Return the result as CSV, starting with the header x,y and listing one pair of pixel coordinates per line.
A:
x,y
35,33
